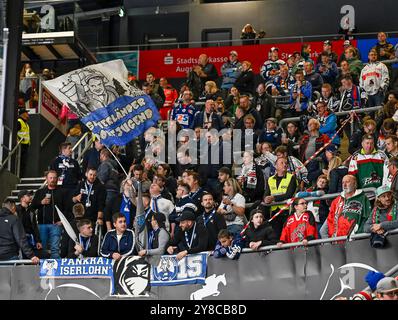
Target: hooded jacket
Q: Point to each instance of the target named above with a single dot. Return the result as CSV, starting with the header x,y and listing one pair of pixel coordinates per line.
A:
x,y
12,236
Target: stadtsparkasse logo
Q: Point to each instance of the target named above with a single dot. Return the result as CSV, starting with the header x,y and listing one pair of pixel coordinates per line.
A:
x,y
168,59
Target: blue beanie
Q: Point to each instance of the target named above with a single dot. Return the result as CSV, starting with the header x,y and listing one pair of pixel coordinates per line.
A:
x,y
372,278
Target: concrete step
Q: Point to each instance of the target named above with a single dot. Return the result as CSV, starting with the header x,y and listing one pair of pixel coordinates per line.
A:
x,y
15,192
29,180
28,185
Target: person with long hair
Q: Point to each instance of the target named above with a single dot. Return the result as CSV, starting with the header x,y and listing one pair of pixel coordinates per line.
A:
x,y
300,225
232,207
259,233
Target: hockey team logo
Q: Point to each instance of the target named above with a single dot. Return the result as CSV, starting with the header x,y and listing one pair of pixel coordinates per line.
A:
x,y
210,288
50,266
168,59
166,270
345,278
131,276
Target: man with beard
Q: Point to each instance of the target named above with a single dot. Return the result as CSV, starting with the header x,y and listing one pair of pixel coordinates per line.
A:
x,y
120,241
348,212
192,237
367,165
50,225
212,221
29,222
384,214
91,193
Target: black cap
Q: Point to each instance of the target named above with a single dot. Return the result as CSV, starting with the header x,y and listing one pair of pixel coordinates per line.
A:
x,y
24,193
22,111
187,214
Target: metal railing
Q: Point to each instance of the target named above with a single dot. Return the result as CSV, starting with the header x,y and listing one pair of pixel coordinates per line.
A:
x,y
358,236
341,113
271,248
234,42
81,146
7,159
43,142
324,197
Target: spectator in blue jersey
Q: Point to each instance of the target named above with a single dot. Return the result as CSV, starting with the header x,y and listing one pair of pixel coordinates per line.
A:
x,y
245,81
228,245
230,71
328,121
208,118
184,112
282,82
271,133
271,67
120,241
312,77
327,68
300,93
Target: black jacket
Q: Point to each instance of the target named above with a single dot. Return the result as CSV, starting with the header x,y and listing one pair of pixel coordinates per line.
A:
x,y
336,179
96,200
72,175
92,250
12,236
245,82
47,214
263,233
29,222
213,226
199,242
91,159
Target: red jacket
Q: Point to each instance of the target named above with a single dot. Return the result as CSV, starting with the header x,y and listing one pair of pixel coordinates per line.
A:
x,y
296,229
171,96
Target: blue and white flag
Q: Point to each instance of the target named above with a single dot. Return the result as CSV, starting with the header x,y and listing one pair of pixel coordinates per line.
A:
x,y
76,268
106,103
189,270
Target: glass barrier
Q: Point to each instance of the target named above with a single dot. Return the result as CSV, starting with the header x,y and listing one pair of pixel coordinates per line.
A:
x,y
44,18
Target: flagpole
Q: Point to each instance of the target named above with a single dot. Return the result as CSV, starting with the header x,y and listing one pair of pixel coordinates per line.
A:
x,y
117,160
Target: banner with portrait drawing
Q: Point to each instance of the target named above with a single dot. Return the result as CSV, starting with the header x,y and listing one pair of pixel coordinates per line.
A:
x,y
106,103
